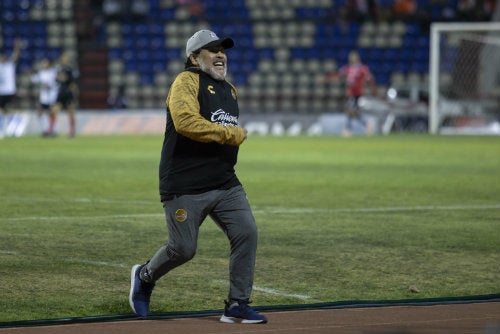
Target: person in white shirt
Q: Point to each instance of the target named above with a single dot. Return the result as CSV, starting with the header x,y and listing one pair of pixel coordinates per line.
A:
x,y
7,82
46,79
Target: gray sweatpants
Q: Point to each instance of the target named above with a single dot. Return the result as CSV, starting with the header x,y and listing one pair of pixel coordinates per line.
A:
x,y
231,212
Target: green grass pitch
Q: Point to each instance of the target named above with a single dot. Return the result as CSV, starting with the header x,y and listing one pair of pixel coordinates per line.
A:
x,y
340,219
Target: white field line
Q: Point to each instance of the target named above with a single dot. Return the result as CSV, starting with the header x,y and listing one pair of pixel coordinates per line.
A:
x,y
78,200
263,209
120,265
271,291
275,210
66,218
280,210
76,260
7,252
96,263
281,293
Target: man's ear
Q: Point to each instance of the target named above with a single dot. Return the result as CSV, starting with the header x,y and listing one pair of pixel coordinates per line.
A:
x,y
194,59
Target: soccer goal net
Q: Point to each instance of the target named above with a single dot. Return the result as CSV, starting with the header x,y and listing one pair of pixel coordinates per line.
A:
x,y
464,78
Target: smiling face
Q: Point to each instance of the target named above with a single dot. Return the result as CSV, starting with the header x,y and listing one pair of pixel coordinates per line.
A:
x,y
213,61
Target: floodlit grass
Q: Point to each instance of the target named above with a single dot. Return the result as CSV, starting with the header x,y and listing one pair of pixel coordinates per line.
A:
x,y
339,219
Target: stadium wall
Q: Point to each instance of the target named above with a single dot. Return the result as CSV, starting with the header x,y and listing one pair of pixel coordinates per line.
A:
x,y
92,122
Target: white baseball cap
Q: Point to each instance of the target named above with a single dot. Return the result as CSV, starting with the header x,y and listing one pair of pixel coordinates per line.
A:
x,y
206,38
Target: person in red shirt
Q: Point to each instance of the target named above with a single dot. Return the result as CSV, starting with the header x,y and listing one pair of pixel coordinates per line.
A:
x,y
356,75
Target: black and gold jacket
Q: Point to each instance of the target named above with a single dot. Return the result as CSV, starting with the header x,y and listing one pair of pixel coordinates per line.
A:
x,y
202,135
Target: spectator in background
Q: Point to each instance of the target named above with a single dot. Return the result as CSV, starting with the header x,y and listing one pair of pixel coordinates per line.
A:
x,y
489,7
362,10
405,10
356,75
46,79
139,9
66,79
8,82
195,7
115,9
118,100
475,10
123,10
466,10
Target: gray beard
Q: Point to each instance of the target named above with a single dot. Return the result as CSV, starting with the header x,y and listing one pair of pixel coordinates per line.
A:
x,y
210,71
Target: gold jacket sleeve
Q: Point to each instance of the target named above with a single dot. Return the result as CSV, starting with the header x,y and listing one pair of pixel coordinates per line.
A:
x,y
184,107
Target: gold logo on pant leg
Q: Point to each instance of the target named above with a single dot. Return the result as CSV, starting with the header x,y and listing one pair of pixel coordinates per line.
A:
x,y
181,215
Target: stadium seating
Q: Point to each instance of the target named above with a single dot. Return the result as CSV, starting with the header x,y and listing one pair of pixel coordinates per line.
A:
x,y
283,47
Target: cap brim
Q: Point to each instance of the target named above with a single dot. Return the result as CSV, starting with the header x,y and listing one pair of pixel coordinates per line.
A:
x,y
226,43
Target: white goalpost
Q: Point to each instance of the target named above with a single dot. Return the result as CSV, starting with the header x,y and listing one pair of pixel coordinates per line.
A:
x,y
464,77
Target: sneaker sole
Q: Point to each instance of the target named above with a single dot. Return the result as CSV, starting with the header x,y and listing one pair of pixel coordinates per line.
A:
x,y
132,284
231,320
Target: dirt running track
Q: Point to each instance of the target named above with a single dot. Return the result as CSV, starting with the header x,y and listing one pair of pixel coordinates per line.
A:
x,y
481,317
